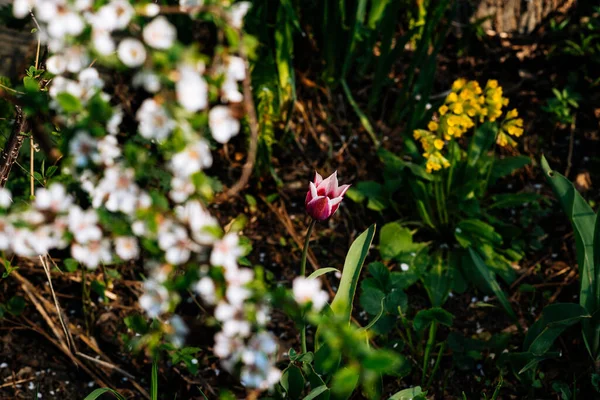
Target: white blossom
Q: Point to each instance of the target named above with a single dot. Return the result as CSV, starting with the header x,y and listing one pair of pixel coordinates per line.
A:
x,y
5,198
127,247
109,150
154,121
205,287
226,252
222,124
155,300
237,12
84,225
54,198
159,33
191,89
199,221
181,189
131,52
148,80
56,64
93,253
192,159
103,42
83,149
308,290
21,8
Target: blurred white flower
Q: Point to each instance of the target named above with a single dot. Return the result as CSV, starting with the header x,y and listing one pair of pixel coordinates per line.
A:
x,y
5,198
195,216
190,3
6,234
126,247
307,290
193,158
76,58
154,121
235,72
84,148
205,287
54,198
112,126
131,52
84,225
155,300
177,330
65,22
56,64
109,150
181,189
237,12
176,244
103,42
159,33
21,8
237,295
191,89
222,124
226,251
151,10
92,254
225,346
117,190
148,80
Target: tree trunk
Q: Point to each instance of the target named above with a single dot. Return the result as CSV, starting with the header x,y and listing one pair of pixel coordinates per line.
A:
x,y
521,16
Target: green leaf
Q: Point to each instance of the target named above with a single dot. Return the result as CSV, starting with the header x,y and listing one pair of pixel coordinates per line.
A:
x,y
506,166
381,274
71,264
409,394
342,302
376,12
371,300
382,361
425,317
554,320
322,271
316,392
394,239
483,138
15,305
583,220
292,381
487,276
99,392
68,102
344,381
154,380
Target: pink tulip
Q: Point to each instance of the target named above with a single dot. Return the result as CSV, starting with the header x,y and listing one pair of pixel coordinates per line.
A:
x,y
324,196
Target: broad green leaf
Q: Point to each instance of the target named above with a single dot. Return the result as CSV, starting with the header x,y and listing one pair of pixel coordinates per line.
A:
x,y
493,285
382,361
583,220
381,274
554,320
344,381
376,318
506,166
99,392
425,317
292,381
475,231
68,102
511,200
342,302
376,12
371,300
316,392
483,138
409,394
394,239
322,271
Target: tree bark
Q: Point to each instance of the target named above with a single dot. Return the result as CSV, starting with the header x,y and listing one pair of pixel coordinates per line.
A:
x,y
522,16
10,153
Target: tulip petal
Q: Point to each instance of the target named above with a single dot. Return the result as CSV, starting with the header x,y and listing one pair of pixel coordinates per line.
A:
x,y
318,179
312,193
341,191
319,208
332,185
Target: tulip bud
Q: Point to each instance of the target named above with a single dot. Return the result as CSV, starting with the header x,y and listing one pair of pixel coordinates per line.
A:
x,y
324,196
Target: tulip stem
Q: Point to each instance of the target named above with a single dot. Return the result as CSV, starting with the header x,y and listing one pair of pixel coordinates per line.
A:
x,y
303,273
305,249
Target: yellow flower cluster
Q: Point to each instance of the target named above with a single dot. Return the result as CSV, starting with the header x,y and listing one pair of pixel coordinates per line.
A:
x,y
512,126
466,104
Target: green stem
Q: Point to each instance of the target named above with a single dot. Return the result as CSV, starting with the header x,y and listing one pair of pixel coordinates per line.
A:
x,y
428,347
305,249
303,273
437,364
